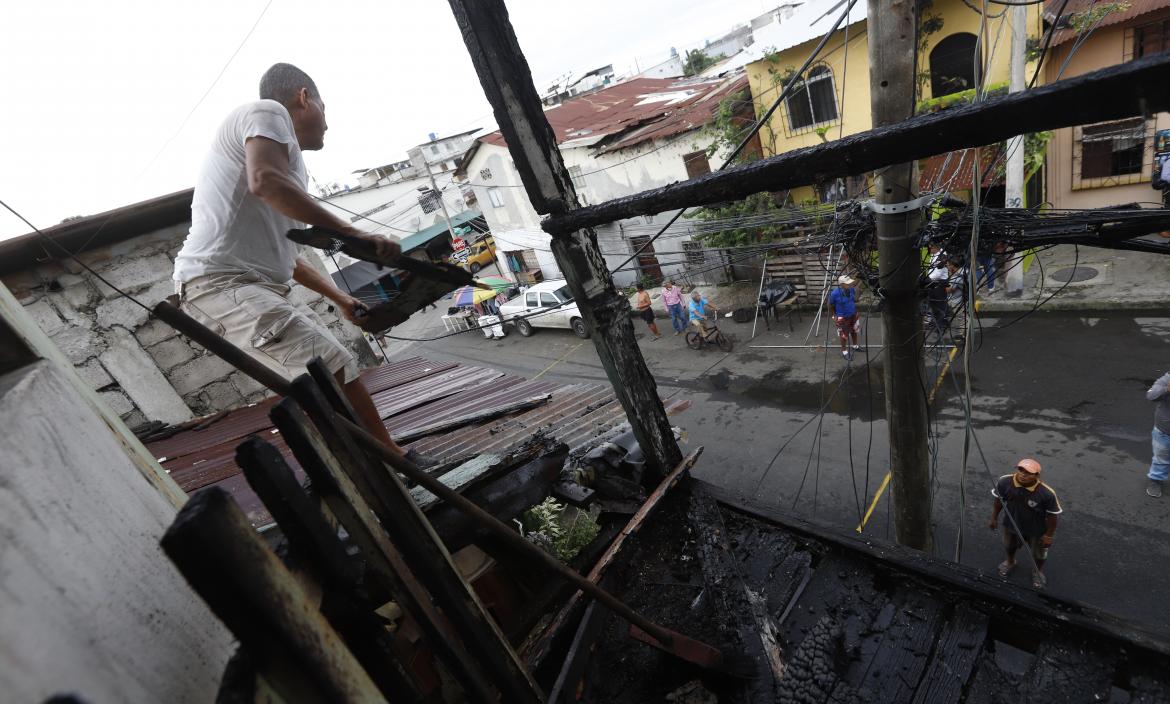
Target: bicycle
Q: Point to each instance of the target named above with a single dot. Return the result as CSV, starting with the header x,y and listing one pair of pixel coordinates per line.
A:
x,y
708,335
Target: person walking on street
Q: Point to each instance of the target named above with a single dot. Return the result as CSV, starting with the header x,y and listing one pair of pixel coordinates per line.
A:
x,y
843,302
1032,510
672,298
645,309
232,273
1160,464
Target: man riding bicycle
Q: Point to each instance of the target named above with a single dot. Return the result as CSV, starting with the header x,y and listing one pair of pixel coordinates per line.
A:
x,y
702,313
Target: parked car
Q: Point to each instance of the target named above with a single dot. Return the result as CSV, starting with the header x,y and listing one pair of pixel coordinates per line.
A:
x,y
480,254
524,311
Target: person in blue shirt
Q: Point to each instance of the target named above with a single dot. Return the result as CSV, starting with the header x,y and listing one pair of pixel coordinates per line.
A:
x,y
701,311
843,302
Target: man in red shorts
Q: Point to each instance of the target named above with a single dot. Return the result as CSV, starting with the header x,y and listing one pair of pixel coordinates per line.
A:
x,y
843,302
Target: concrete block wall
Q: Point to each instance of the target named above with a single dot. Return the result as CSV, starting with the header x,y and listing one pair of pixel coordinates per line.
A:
x,y
140,366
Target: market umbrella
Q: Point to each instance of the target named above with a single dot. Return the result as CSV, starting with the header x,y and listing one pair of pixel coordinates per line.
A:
x,y
468,296
499,283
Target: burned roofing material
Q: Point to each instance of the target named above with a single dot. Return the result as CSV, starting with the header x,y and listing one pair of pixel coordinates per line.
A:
x,y
418,399
836,618
634,112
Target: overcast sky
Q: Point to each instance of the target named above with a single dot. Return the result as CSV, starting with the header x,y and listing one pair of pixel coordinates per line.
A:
x,y
99,95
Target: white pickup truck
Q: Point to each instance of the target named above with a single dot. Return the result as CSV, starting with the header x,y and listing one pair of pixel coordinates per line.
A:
x,y
525,311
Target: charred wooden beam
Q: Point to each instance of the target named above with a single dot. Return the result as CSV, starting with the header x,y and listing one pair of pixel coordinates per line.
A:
x,y
507,83
385,564
408,529
313,541
1139,87
258,599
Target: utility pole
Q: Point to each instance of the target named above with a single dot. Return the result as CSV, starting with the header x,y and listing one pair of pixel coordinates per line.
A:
x,y
439,195
1013,278
891,28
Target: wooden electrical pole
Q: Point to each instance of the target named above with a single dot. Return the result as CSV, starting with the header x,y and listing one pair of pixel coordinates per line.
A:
x,y
507,83
891,26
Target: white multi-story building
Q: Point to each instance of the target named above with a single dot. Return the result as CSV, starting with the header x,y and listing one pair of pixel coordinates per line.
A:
x,y
627,138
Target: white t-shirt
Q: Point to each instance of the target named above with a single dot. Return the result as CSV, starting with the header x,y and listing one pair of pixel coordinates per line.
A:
x,y
231,229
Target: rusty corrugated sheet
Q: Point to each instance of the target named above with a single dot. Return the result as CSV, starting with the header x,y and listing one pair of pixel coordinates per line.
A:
x,y
395,400
1137,8
627,114
411,394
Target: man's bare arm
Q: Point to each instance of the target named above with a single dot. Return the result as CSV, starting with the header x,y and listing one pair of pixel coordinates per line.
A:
x,y
305,275
268,179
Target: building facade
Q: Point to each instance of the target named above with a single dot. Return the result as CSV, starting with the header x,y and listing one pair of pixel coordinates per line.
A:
x,y
640,134
1111,163
834,99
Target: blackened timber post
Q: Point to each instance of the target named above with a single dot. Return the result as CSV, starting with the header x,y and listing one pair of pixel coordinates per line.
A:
x,y
507,83
892,36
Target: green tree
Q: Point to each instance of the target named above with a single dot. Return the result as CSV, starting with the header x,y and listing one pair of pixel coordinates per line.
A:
x,y
697,61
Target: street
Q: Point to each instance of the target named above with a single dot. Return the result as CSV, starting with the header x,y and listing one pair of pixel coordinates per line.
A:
x,y
1066,389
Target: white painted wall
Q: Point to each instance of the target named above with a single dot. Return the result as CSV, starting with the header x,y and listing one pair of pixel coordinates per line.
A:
x,y
397,205
92,607
606,176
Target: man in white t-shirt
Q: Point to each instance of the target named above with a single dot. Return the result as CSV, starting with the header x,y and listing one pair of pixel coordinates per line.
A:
x,y
233,271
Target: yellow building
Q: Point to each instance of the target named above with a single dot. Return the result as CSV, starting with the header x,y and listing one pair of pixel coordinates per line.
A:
x,y
1109,163
834,100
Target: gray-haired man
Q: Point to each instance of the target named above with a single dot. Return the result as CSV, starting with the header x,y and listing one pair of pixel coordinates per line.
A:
x,y
233,271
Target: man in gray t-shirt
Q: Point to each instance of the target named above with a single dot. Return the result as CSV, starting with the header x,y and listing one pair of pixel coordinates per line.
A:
x,y
233,271
1160,464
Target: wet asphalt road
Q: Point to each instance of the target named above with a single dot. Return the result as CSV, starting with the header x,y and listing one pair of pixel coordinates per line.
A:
x,y
1066,389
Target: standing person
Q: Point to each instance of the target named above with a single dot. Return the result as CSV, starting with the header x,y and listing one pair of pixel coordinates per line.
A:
x,y
1032,508
843,302
936,290
1160,464
1162,183
672,298
645,310
985,272
232,273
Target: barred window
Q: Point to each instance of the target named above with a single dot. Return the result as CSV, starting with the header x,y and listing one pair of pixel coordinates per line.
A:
x,y
1112,153
578,177
429,200
814,101
695,254
1151,39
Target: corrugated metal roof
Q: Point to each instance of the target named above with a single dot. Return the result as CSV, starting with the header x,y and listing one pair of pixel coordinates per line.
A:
x,y
411,394
636,111
1137,8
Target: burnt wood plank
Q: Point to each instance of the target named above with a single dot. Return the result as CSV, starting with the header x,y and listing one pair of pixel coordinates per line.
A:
x,y
1134,88
311,539
955,656
744,618
408,529
967,582
228,564
1068,671
901,658
565,689
385,563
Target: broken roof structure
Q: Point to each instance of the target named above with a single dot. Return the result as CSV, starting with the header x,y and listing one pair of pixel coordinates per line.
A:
x,y
449,411
631,113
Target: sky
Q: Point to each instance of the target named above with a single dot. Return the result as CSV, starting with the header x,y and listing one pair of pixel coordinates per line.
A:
x,y
113,102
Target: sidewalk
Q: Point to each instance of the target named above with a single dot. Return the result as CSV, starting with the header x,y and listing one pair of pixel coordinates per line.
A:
x,y
1109,280
1105,279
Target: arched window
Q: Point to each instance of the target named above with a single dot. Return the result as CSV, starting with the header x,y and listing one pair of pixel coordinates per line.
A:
x,y
814,101
953,66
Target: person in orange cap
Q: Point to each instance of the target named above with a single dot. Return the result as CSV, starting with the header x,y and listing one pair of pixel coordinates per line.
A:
x,y
1032,510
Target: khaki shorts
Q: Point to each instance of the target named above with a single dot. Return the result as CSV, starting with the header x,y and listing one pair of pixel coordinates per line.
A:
x,y
256,315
